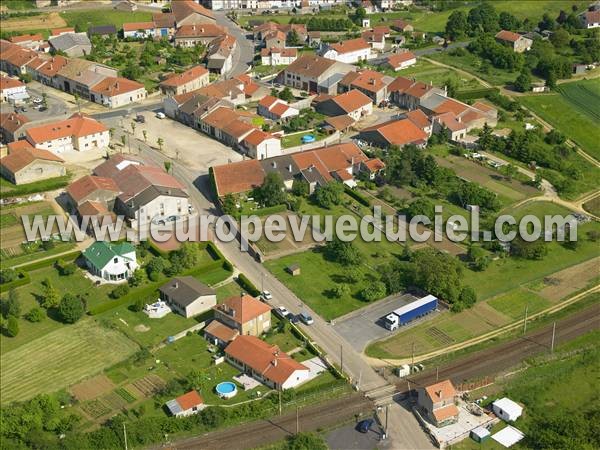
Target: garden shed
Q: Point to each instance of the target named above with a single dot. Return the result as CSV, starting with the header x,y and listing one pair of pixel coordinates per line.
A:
x,y
293,270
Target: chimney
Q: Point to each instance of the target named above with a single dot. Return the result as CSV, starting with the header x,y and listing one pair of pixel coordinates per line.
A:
x,y
176,285
274,362
274,164
290,168
194,27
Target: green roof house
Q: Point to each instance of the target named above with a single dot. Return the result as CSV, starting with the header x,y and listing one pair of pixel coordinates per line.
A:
x,y
111,262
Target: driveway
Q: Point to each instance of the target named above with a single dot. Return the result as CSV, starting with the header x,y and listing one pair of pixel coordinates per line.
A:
x,y
57,108
348,438
363,326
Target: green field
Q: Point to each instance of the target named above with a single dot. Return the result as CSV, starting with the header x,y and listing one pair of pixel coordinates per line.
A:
x,y
574,112
593,206
86,19
295,140
62,358
514,303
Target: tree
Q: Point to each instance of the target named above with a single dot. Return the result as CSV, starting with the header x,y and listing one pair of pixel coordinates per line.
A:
x,y
456,26
156,265
483,18
478,257
168,165
547,23
272,191
286,94
160,142
50,296
229,205
300,188
421,207
342,252
133,127
137,278
145,134
123,139
359,15
35,314
373,291
12,326
468,298
528,250
71,308
437,273
293,39
139,304
305,441
13,304
119,291
187,255
8,275
523,81
509,171
560,38
507,21
452,86
340,290
329,195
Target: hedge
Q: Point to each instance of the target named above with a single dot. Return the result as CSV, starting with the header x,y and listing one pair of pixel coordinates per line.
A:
x,y
142,292
358,196
38,186
22,280
153,248
247,285
212,249
475,93
72,256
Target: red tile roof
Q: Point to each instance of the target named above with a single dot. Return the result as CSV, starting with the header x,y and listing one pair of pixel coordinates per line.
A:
x,y
352,100
242,309
399,132
136,178
350,45
21,155
25,38
77,125
374,165
396,59
445,412
507,36
135,26
400,84
185,77
221,331
182,9
200,30
111,86
268,100
310,66
12,121
83,187
449,120
279,109
481,106
329,159
53,65
367,80
444,390
340,122
451,105
9,83
265,359
592,17
90,208
189,400
237,128
257,137
59,31
419,118
238,177
284,52
418,89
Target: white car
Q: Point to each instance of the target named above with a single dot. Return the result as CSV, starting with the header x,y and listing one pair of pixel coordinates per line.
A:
x,y
36,100
266,295
160,115
283,312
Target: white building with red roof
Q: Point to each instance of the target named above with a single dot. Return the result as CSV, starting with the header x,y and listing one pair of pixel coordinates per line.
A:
x,y
139,30
78,132
591,19
260,145
12,126
394,132
274,108
350,51
266,363
518,42
26,164
399,61
188,81
114,92
352,103
437,402
278,56
186,404
12,90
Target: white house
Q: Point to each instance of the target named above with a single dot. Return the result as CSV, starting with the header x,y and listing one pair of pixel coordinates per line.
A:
x,y
111,262
401,61
139,30
591,19
351,51
275,108
186,404
507,410
261,145
278,56
187,296
114,92
12,90
78,132
266,363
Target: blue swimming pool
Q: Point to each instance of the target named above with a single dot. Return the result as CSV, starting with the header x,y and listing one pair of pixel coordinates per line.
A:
x,y
226,389
308,138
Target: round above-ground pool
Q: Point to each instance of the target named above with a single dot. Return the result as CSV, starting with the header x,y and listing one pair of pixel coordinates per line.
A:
x,y
308,138
226,389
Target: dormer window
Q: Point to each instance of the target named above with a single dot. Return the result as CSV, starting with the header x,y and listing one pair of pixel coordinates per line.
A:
x,y
115,260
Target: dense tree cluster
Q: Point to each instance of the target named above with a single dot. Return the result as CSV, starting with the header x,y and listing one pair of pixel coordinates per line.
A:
x,y
499,55
329,195
272,191
342,252
324,24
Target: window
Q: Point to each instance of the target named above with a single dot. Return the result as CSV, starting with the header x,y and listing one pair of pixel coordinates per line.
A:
x,y
116,260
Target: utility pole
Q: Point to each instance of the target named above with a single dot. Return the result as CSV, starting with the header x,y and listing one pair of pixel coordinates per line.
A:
x,y
386,420
359,379
437,373
525,320
280,402
553,335
413,353
125,435
297,420
342,359
262,282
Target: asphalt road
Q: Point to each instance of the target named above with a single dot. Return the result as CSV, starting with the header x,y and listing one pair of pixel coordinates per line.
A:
x,y
244,52
508,354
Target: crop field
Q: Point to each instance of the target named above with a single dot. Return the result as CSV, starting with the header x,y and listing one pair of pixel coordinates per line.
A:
x,y
584,96
515,302
572,119
92,388
60,359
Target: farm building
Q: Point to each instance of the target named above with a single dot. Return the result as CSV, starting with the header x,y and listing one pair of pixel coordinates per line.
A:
x,y
507,410
293,270
186,404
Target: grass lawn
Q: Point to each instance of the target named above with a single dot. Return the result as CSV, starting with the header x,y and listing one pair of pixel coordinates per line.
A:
x,y
8,189
65,356
295,140
86,19
561,113
593,206
514,303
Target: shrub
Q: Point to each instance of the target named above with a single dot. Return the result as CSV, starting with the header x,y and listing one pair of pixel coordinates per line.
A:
x,y
71,308
12,326
35,315
119,291
356,195
374,291
247,285
8,275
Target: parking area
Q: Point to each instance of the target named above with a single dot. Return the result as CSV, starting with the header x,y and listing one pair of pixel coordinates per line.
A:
x,y
363,326
348,437
193,149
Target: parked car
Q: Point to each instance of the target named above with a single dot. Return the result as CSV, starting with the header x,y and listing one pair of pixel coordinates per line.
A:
x,y
36,100
141,119
306,318
160,115
266,295
365,425
283,312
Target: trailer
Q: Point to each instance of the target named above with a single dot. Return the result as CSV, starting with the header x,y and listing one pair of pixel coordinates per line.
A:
x,y
407,313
